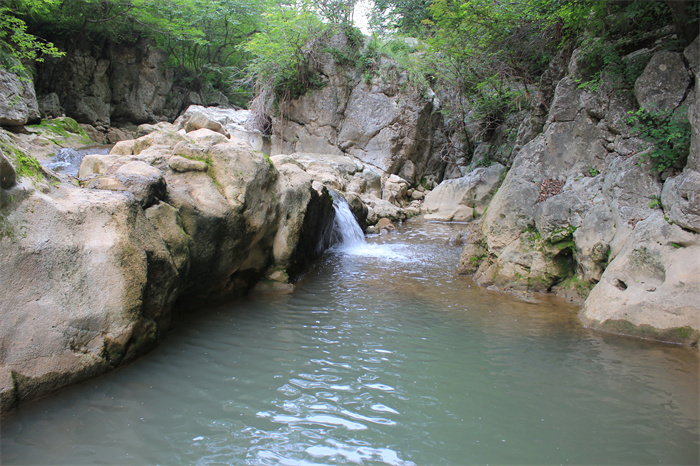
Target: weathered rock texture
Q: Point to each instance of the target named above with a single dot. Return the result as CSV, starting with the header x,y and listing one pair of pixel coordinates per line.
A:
x,y
229,122
387,123
577,212
464,198
95,271
18,104
371,193
111,83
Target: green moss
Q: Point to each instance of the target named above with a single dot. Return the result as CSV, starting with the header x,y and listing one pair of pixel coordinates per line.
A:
x,y
28,166
476,260
25,165
576,283
211,172
562,235
680,335
63,127
531,235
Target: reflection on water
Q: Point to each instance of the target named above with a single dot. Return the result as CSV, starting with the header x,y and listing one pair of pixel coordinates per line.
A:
x,y
383,355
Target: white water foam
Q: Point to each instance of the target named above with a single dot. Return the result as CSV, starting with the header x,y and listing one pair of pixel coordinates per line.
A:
x,y
349,239
347,232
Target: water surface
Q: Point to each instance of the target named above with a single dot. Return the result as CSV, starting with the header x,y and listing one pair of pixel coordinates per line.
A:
x,y
383,355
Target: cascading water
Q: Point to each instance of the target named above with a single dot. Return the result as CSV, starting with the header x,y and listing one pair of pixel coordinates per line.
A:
x,y
346,232
68,160
346,236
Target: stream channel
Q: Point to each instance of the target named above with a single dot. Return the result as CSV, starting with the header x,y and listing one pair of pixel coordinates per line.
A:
x,y
382,355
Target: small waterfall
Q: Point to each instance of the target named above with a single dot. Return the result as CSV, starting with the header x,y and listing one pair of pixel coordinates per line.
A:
x,y
346,232
68,160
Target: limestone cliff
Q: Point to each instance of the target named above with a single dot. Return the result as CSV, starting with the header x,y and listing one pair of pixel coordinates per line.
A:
x,y
580,211
103,84
381,119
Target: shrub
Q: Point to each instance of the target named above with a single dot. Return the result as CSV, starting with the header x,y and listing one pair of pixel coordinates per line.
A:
x,y
667,134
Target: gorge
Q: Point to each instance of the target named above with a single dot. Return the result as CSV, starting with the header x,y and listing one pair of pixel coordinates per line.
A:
x,y
505,269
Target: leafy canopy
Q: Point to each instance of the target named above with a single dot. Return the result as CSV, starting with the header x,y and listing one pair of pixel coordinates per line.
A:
x,y
16,44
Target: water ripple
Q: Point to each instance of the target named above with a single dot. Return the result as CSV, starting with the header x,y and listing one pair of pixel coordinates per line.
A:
x,y
387,357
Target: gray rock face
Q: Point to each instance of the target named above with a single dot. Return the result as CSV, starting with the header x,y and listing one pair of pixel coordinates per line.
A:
x,y
140,84
373,122
578,212
18,104
7,173
681,194
82,84
465,198
664,82
681,199
50,106
115,84
694,119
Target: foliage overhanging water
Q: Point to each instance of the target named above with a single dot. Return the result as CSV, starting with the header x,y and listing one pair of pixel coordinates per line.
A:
x,y
382,355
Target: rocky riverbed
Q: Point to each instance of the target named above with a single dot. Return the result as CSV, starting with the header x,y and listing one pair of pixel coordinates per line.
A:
x,y
95,266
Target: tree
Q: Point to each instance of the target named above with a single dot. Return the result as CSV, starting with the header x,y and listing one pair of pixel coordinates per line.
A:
x,y
405,16
335,11
18,45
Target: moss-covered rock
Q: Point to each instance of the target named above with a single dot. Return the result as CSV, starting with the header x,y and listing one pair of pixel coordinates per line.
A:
x,y
62,131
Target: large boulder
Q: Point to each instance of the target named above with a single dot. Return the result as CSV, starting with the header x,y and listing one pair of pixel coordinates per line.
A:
x,y
294,248
681,199
664,82
377,195
18,104
144,181
92,287
465,198
167,217
229,122
650,289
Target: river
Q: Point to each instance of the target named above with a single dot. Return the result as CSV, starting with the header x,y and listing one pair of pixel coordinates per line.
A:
x,y
382,355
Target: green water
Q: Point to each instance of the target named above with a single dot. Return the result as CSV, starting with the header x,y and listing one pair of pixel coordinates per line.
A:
x,y
383,355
